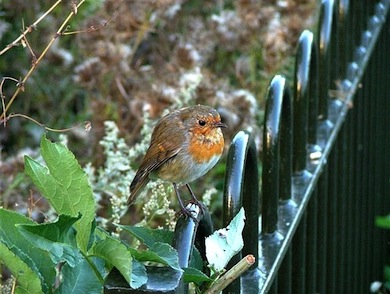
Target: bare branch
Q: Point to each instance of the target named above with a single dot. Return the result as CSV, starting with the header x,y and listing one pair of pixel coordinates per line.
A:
x,y
29,29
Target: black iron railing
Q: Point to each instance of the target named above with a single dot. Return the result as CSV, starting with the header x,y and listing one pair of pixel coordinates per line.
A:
x,y
325,165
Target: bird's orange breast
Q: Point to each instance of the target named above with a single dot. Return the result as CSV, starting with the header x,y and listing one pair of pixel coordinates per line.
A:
x,y
205,148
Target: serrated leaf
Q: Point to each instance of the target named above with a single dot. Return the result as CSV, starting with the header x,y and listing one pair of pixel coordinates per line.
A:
x,y
116,254
149,236
223,244
57,238
195,276
65,185
28,281
34,257
82,279
159,252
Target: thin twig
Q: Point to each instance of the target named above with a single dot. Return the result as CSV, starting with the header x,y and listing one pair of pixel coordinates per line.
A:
x,y
91,28
236,271
29,29
87,124
33,56
2,95
35,64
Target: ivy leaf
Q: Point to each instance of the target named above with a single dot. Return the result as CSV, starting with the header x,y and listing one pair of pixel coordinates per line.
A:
x,y
223,244
65,185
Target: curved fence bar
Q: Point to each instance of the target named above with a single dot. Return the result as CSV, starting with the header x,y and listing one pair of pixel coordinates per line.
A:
x,y
184,239
313,104
301,101
344,41
242,190
324,48
278,102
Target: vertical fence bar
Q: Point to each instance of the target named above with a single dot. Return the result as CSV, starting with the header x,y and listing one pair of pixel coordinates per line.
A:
x,y
341,199
312,245
299,249
332,223
285,272
322,228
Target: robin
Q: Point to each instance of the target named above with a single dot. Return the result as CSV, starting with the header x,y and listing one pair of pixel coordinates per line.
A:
x,y
185,145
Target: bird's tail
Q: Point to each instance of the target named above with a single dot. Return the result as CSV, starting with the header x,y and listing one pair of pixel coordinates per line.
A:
x,y
139,182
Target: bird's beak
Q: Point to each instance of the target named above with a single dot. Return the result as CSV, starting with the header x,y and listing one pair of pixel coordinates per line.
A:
x,y
220,125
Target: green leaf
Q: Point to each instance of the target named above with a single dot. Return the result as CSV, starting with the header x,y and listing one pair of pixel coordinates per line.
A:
x,y
28,280
82,278
139,276
37,259
116,254
149,236
196,276
387,273
159,252
223,244
57,238
65,185
383,221
196,260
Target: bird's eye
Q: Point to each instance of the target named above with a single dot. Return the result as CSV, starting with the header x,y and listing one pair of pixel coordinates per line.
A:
x,y
201,122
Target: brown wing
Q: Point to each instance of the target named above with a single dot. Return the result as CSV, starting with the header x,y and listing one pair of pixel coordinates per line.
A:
x,y
167,141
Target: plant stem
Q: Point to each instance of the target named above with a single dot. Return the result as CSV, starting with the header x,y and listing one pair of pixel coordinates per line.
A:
x,y
94,268
236,271
29,29
35,63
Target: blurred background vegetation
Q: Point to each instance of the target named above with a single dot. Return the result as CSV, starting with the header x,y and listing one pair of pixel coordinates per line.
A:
x,y
131,60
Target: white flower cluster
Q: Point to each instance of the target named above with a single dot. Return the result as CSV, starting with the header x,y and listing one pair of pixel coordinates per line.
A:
x,y
114,177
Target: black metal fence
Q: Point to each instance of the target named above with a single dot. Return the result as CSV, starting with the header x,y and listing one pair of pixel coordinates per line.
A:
x,y
325,164
326,161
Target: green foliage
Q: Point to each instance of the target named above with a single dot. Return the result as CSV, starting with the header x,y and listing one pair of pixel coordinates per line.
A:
x,y
57,239
65,186
25,253
196,276
71,254
383,221
83,254
28,279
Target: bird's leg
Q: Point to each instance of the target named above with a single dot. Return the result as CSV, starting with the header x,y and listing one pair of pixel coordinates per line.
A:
x,y
183,209
195,200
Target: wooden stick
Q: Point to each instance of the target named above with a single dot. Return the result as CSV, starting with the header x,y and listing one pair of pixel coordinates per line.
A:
x,y
242,266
